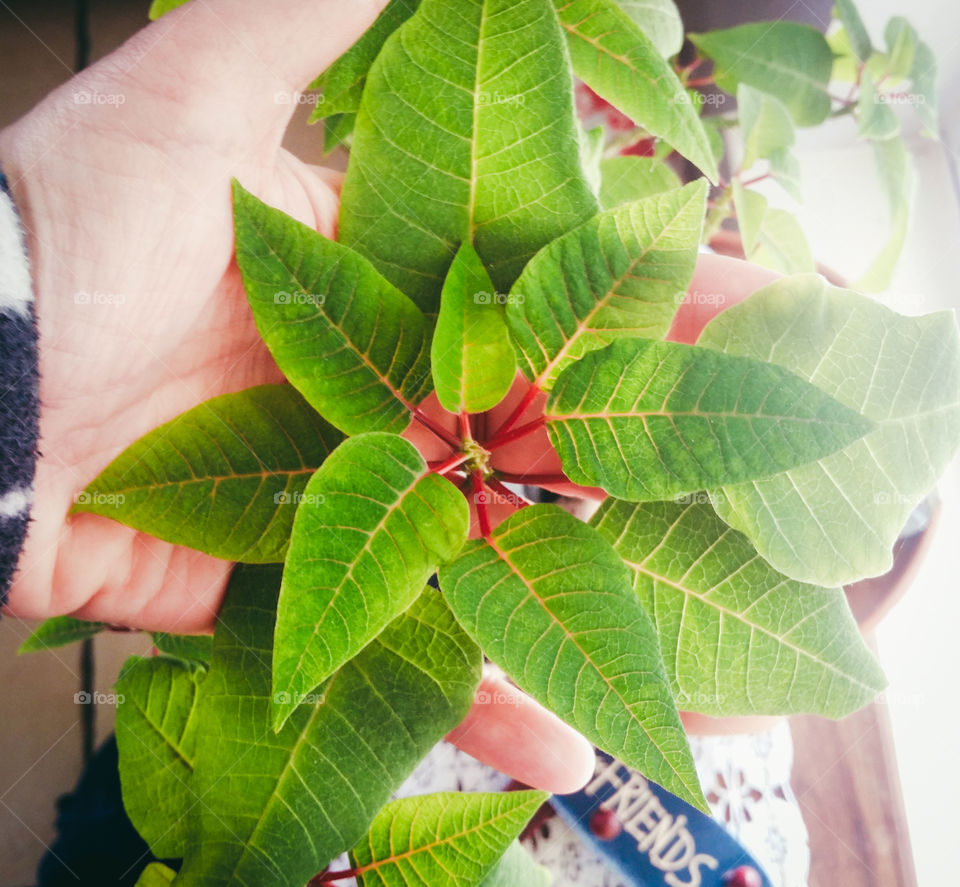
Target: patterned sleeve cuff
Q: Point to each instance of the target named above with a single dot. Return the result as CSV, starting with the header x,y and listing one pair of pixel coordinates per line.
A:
x,y
18,389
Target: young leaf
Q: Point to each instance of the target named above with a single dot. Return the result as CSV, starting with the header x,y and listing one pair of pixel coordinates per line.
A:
x,y
751,207
59,631
785,171
277,808
350,342
623,273
857,34
737,636
659,20
472,358
902,40
466,134
156,740
923,86
620,63
516,867
789,60
156,875
224,477
372,528
781,244
195,647
835,520
651,420
550,602
336,130
875,118
626,179
765,123
453,839
342,83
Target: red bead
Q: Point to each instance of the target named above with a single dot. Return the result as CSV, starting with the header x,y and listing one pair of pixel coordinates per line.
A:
x,y
743,876
605,825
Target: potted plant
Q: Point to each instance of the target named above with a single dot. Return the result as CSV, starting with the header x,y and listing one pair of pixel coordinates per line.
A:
x,y
505,306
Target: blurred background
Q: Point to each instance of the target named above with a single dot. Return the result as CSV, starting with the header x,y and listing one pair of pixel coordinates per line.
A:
x,y
878,792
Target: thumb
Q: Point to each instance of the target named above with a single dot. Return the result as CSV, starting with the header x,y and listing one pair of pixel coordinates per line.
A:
x,y
236,64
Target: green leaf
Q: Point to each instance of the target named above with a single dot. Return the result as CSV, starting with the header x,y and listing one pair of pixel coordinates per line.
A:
x,y
466,134
857,34
659,20
593,143
875,118
342,83
623,273
785,171
620,63
223,478
453,839
765,123
902,40
161,7
372,528
516,868
788,60
156,875
651,420
156,739
737,636
350,342
781,244
550,602
59,631
923,87
835,521
626,179
751,207
195,647
277,808
336,130
472,358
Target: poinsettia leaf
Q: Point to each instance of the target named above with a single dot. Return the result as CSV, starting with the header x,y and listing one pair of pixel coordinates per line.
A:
x,y
765,123
647,420
923,87
59,631
517,867
626,179
550,601
659,20
781,244
472,359
224,477
751,207
901,39
620,63
875,118
195,647
372,528
342,83
156,729
278,808
789,60
454,838
857,34
156,875
336,130
785,171
160,8
835,520
466,134
737,636
354,346
623,273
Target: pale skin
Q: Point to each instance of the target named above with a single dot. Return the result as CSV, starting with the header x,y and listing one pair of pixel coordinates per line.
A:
x,y
129,201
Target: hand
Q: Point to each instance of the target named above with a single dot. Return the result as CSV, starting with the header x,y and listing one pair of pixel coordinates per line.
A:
x,y
122,177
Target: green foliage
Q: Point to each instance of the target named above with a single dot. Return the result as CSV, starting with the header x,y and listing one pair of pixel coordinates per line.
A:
x,y
550,602
766,125
156,875
161,7
343,581
781,244
195,647
650,420
59,631
659,20
223,478
857,35
626,179
473,360
451,839
517,867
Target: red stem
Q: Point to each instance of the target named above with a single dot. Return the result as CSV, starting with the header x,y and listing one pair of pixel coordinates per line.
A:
x,y
455,461
482,514
500,438
466,432
702,81
511,497
442,433
521,408
330,877
534,480
755,179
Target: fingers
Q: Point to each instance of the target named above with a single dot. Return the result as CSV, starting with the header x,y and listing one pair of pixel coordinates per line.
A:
x,y
516,735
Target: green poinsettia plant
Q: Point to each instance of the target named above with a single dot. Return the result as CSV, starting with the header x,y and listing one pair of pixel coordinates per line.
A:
x,y
496,317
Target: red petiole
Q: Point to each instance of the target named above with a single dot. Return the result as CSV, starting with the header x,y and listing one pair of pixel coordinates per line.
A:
x,y
534,480
509,496
480,500
455,461
439,431
521,408
502,438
